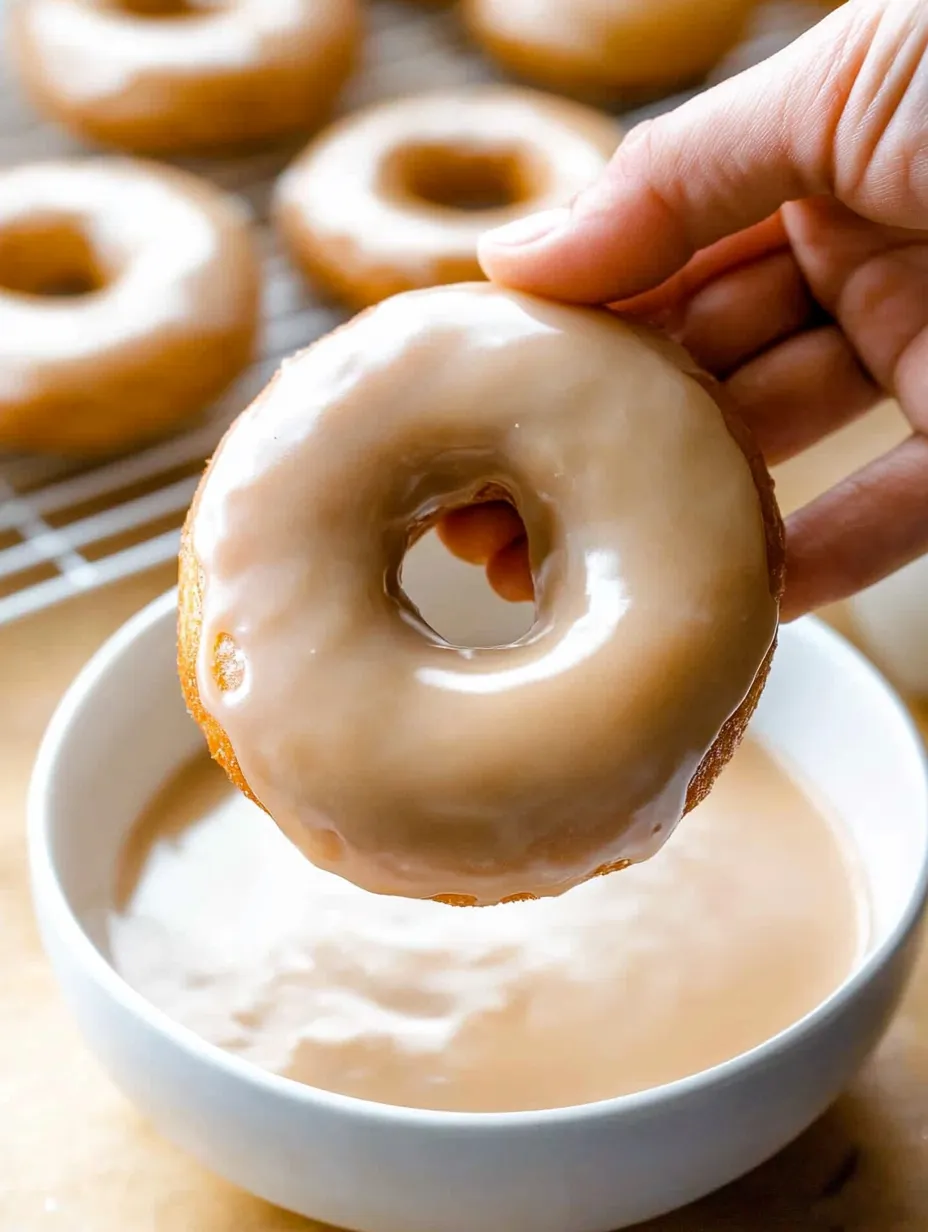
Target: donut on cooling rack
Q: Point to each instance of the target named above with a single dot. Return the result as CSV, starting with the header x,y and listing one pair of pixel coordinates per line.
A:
x,y
608,49
163,76
411,766
395,197
128,301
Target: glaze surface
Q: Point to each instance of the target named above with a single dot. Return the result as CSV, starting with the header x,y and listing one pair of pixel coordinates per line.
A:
x,y
415,767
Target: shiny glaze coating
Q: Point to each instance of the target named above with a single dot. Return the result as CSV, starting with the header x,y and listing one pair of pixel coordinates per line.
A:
x,y
163,76
166,319
369,208
608,49
411,766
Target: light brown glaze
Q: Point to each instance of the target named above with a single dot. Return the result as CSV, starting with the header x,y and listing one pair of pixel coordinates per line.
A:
x,y
751,915
414,767
608,49
128,301
165,76
395,197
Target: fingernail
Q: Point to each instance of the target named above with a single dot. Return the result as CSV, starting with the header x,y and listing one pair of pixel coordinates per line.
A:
x,y
528,230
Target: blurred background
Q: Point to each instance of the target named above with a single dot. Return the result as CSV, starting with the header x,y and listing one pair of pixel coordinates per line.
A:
x,y
67,528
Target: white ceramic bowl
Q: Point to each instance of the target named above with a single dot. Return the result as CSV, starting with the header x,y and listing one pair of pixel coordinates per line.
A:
x,y
122,728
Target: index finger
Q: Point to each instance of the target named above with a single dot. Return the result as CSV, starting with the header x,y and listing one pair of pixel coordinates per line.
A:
x,y
722,162
733,252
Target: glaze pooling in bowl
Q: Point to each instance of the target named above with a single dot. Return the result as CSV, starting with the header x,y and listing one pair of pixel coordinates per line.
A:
x,y
750,916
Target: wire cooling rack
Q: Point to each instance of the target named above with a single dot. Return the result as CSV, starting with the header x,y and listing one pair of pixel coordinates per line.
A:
x,y
65,528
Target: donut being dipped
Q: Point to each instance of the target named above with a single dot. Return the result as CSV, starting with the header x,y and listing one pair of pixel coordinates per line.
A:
x,y
395,197
175,76
411,766
609,49
129,299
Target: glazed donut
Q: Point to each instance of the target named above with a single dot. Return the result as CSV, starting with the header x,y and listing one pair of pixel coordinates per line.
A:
x,y
169,76
608,49
128,301
395,198
414,767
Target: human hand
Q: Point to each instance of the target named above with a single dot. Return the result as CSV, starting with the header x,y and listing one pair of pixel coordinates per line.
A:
x,y
777,225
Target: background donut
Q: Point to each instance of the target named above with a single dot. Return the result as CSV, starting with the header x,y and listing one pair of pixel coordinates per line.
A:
x,y
169,76
395,197
128,301
608,49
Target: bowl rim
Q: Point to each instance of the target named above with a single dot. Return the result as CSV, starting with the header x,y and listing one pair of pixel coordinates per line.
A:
x,y
58,915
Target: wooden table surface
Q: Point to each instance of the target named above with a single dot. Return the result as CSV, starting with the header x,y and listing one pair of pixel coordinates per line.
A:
x,y
76,1157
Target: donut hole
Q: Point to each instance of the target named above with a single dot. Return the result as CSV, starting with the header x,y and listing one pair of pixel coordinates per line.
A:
x,y
456,600
161,9
54,260
455,178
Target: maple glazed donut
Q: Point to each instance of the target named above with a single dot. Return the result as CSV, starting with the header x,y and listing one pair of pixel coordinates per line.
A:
x,y
168,76
129,298
395,197
609,48
414,767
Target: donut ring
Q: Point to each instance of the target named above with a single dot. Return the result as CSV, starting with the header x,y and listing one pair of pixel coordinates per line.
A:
x,y
608,49
129,300
395,197
413,767
175,76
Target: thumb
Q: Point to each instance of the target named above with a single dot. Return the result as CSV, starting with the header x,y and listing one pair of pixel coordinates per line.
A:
x,y
721,162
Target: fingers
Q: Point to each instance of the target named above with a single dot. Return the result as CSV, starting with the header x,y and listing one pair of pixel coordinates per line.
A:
x,y
801,390
492,534
744,312
859,532
661,305
477,533
510,574
723,161
874,282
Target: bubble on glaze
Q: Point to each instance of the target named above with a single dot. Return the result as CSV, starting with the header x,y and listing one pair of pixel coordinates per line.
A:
x,y
325,846
228,664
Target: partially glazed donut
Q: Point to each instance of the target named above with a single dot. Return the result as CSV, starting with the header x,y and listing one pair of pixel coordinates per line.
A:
x,y
609,49
414,767
164,76
128,301
395,197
